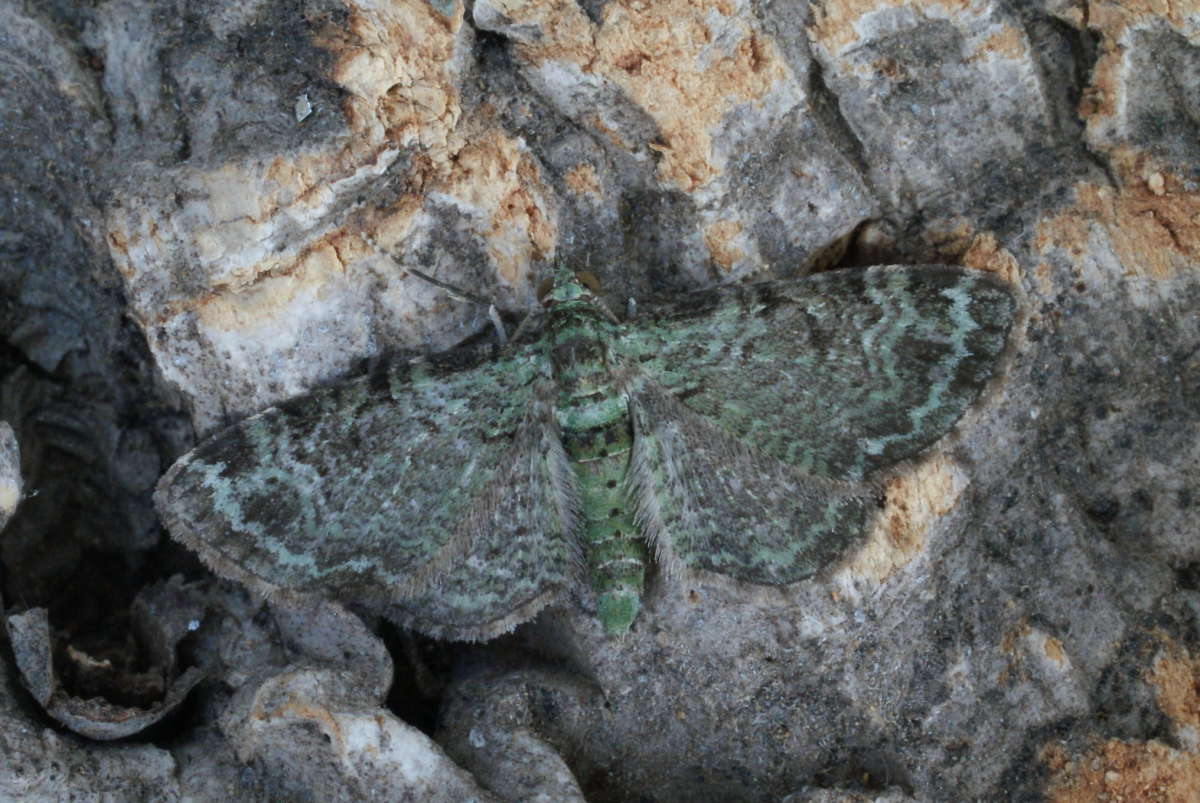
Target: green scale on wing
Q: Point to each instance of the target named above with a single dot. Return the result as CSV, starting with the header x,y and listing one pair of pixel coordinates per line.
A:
x,y
593,417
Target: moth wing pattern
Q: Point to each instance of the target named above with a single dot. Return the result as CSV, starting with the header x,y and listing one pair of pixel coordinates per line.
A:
x,y
706,502
371,491
836,374
520,549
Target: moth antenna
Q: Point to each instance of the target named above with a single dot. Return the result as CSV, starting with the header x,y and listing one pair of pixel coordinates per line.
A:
x,y
455,292
493,312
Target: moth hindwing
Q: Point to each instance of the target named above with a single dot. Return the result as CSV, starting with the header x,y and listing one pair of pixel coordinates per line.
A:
x,y
732,431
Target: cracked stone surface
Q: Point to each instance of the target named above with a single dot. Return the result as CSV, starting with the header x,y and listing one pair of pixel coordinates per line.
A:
x,y
209,208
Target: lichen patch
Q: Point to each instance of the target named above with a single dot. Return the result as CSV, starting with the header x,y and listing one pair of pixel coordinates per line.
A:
x,y
915,501
582,180
721,239
1116,769
1153,235
841,24
685,63
986,254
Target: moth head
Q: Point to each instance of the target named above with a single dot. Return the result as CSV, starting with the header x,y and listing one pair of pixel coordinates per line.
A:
x,y
567,285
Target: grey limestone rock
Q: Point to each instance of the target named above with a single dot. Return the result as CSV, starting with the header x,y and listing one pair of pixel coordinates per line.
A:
x,y
209,208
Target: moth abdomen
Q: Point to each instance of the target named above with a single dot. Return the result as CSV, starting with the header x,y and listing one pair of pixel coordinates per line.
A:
x,y
598,438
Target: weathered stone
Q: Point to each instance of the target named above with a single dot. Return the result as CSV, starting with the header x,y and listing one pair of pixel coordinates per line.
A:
x,y
1024,620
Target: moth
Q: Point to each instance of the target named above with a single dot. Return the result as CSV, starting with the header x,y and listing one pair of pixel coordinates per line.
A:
x,y
733,430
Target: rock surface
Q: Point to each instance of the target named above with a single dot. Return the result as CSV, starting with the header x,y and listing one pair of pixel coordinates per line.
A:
x,y
208,208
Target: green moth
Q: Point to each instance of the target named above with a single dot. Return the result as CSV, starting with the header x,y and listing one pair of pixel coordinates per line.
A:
x,y
733,430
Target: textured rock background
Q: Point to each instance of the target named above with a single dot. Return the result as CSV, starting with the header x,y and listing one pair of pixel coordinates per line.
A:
x,y
209,208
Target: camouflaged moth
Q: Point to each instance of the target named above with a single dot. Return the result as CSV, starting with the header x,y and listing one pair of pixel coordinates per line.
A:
x,y
733,430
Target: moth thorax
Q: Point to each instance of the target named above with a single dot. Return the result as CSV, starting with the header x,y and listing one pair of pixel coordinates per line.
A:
x,y
573,355
567,286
